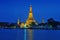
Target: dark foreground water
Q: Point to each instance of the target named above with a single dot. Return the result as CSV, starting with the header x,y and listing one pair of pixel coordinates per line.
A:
x,y
18,34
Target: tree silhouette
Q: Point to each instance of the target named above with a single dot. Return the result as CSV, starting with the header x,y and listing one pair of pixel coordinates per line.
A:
x,y
33,25
53,23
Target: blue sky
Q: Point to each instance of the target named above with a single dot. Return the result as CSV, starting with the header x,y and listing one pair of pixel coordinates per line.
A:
x,y
11,10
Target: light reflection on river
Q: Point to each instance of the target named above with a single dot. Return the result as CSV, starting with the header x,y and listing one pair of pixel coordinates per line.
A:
x,y
18,34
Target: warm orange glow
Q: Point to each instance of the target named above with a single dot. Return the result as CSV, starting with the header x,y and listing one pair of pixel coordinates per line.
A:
x,y
30,17
22,25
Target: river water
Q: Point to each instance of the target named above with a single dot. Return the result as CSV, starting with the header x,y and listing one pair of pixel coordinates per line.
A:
x,y
18,34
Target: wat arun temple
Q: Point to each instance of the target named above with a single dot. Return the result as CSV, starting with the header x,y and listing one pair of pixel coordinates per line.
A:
x,y
29,20
31,23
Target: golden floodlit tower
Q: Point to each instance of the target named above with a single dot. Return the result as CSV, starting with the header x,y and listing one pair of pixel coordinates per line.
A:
x,y
30,18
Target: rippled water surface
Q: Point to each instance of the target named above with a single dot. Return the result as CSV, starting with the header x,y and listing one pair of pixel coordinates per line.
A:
x,y
18,34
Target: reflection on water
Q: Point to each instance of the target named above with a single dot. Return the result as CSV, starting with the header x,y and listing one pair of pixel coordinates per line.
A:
x,y
18,34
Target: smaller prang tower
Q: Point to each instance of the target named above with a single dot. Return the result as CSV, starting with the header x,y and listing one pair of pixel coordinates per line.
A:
x,y
18,22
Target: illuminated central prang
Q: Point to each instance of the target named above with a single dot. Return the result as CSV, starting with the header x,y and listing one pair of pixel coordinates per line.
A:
x,y
30,18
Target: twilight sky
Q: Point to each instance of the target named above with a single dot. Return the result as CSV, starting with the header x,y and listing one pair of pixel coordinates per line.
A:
x,y
11,10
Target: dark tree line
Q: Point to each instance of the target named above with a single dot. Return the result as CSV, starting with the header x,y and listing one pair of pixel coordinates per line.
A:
x,y
52,22
6,24
49,22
